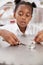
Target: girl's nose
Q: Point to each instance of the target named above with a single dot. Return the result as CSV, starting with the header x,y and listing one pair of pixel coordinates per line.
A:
x,y
23,17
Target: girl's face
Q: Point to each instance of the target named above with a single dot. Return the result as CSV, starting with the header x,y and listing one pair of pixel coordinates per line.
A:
x,y
23,15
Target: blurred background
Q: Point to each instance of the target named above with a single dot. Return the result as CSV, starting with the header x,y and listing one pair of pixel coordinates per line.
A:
x,y
7,8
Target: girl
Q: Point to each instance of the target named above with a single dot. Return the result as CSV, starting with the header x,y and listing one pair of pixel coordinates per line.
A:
x,y
23,14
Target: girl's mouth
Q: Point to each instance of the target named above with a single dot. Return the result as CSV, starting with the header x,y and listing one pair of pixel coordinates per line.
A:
x,y
23,23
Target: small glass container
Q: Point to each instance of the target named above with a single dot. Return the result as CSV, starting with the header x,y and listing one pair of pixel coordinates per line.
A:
x,y
31,45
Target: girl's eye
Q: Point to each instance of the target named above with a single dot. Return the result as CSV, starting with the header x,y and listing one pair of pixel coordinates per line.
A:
x,y
20,13
27,15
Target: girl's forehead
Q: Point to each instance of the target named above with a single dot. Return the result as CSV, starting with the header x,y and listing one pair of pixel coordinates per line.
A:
x,y
24,7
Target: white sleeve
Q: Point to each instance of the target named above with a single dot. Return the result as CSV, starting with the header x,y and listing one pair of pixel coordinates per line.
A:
x,y
41,27
37,28
6,27
10,27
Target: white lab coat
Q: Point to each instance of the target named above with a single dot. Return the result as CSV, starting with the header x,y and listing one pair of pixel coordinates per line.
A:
x,y
31,30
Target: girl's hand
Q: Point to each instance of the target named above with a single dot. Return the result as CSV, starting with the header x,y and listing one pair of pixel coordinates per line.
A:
x,y
39,37
9,37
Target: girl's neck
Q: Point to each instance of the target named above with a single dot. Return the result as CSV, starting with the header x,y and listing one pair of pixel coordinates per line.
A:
x,y
22,29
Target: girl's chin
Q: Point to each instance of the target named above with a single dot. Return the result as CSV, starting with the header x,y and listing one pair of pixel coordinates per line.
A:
x,y
23,26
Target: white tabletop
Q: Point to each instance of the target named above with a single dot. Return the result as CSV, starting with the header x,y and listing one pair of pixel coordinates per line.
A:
x,y
22,55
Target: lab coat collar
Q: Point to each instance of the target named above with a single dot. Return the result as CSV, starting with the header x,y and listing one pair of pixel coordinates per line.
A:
x,y
20,33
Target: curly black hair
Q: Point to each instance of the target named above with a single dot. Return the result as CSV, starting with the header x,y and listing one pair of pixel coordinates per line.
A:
x,y
17,1
34,5
23,3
